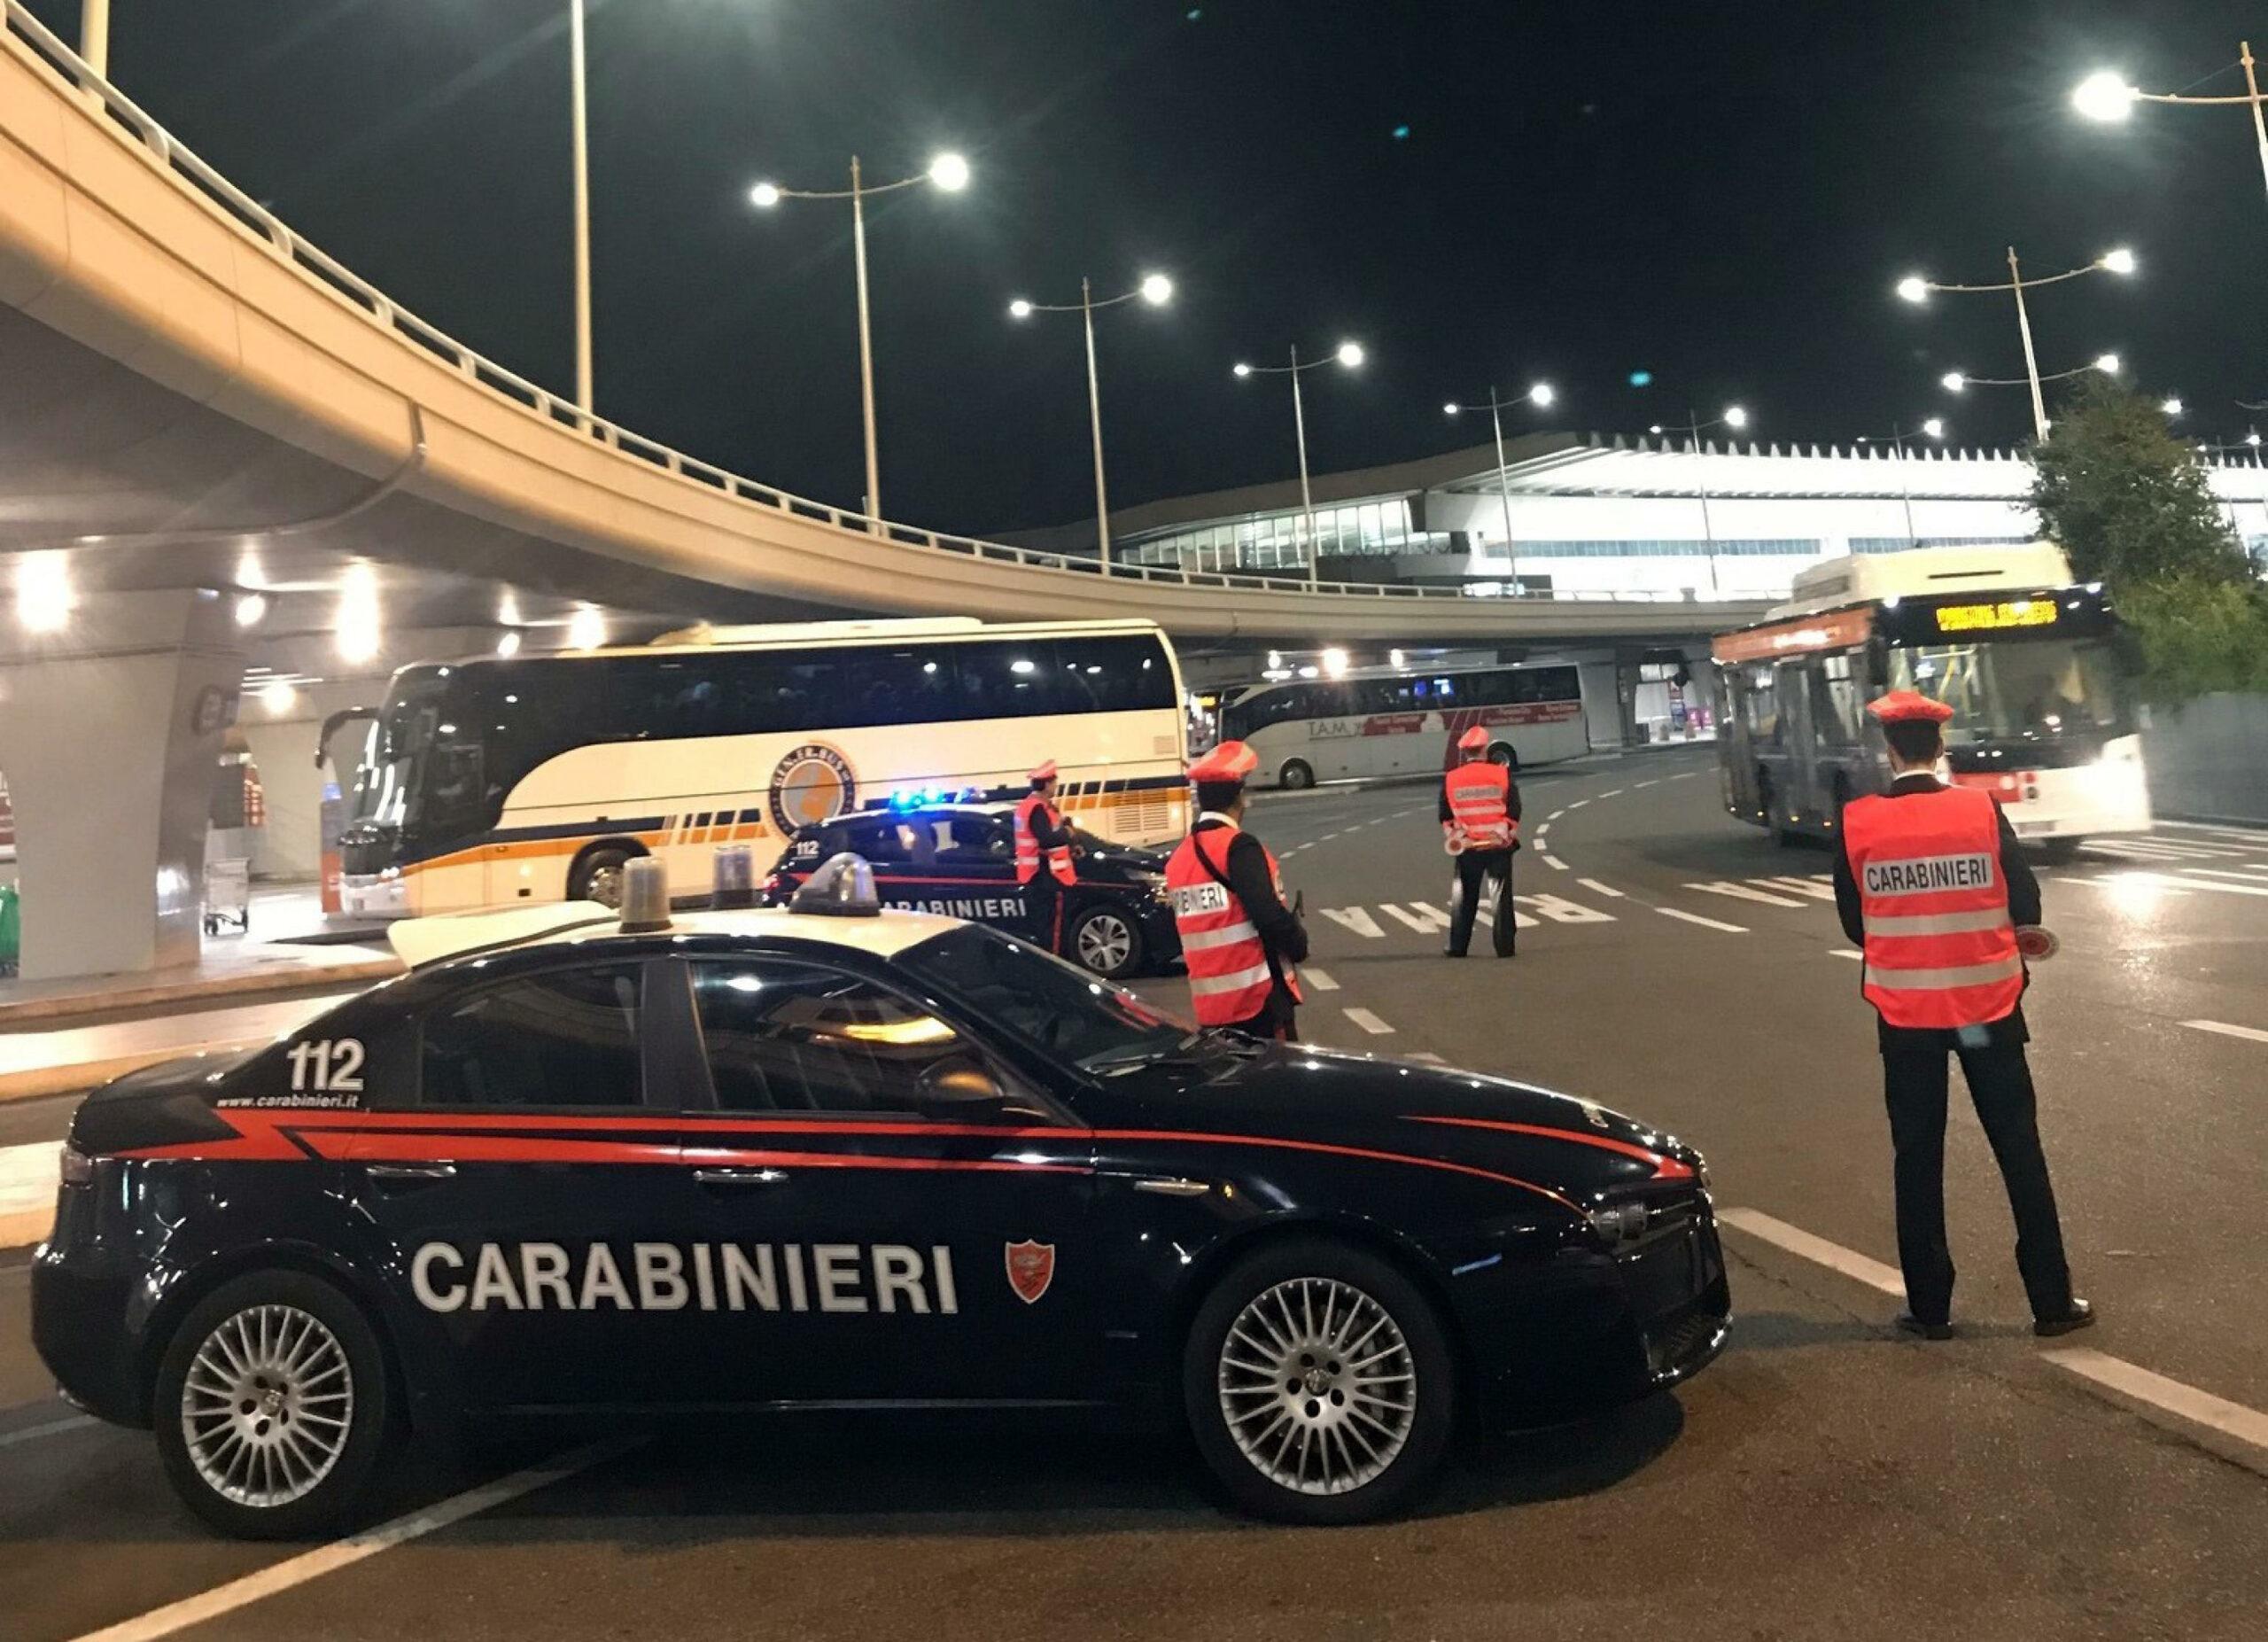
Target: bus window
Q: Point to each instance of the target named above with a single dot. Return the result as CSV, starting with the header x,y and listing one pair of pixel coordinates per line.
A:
x,y
1121,674
1760,707
1835,705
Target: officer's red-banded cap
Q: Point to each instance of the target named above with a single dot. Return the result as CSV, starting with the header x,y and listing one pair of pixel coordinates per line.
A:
x,y
1908,707
1045,772
1231,760
1473,740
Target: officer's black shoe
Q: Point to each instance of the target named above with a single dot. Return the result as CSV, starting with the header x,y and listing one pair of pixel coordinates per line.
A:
x,y
2080,1316
1907,1323
1451,952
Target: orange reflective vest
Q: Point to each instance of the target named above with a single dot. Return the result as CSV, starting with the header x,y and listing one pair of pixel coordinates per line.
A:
x,y
1941,947
1230,975
1478,807
1028,849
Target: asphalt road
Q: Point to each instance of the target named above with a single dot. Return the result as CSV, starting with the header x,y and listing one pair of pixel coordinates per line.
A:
x,y
1825,1478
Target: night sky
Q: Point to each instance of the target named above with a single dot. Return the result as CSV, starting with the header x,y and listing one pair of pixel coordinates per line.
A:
x,y
1721,194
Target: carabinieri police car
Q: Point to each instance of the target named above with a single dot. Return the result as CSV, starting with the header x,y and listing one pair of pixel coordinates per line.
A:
x,y
960,859
574,1164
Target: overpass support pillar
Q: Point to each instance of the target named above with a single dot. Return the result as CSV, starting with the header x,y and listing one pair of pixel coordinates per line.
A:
x,y
109,737
1626,694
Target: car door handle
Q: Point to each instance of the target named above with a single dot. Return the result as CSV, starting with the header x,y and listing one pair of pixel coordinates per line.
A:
x,y
409,1171
740,1176
1172,1185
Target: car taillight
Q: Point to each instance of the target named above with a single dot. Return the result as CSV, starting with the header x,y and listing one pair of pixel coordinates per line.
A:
x,y
77,1169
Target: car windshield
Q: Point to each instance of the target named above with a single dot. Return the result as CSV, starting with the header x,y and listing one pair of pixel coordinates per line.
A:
x,y
1052,1006
2035,690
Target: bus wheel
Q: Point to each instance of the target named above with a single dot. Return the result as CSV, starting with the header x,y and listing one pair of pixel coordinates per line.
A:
x,y
598,875
1499,752
2060,851
1296,775
1776,821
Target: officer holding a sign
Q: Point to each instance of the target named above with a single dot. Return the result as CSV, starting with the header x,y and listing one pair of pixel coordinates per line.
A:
x,y
1929,881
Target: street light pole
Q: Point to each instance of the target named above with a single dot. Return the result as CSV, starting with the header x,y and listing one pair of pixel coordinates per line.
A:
x,y
2030,361
580,77
94,35
2259,123
2107,96
1701,482
1299,432
1915,289
873,505
1094,422
1504,490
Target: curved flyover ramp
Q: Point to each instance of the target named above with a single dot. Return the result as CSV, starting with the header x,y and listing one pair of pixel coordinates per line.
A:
x,y
184,373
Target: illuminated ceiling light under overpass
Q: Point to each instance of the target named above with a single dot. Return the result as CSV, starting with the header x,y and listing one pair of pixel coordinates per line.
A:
x,y
1350,354
507,609
2118,261
44,599
949,172
1275,658
586,628
1334,663
279,698
508,643
1157,290
250,608
2105,95
1393,658
358,630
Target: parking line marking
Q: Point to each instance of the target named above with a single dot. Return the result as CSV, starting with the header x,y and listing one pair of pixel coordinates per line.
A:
x,y
1706,924
209,1605
1368,1022
53,1427
1597,888
2183,1402
1317,979
2252,1033
1818,1250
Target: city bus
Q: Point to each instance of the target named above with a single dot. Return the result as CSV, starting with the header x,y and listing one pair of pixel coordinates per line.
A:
x,y
2035,669
1398,722
535,778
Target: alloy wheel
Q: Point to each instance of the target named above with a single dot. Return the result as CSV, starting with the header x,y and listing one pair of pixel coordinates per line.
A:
x,y
1317,1385
267,1405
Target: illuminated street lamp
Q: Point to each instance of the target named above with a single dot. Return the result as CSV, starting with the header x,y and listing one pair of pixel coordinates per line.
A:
x,y
948,172
1157,290
1348,354
2108,97
1540,396
1914,288
1736,418
2107,364
2170,404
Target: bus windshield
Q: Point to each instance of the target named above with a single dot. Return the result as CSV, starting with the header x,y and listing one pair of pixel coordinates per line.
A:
x,y
2019,690
385,780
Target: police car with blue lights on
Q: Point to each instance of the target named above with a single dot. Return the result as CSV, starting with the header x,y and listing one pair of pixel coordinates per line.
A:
x,y
625,1167
957,856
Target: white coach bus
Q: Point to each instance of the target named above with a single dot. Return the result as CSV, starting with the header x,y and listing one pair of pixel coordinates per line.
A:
x,y
1387,721
535,778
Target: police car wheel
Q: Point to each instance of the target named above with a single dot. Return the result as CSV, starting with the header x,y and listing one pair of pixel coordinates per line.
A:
x,y
1106,941
1319,1384
271,1409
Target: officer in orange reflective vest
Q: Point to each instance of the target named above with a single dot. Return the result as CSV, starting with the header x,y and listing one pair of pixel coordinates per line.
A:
x,y
1043,850
1238,937
1929,881
1480,824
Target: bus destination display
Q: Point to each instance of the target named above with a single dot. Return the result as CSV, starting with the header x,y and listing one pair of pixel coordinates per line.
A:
x,y
1996,618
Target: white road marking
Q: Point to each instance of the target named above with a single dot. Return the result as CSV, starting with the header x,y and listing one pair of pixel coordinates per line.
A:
x,y
2223,872
1818,1250
2158,880
1615,794
1296,848
1706,924
1520,920
2252,1033
1578,803
1682,775
1368,1022
1427,1056
1595,887
1846,951
1554,816
1423,919
1746,892
1802,886
2183,1402
209,1605
2250,835
1317,979
1643,785
1356,919
1561,911
1539,833
53,1427
1552,861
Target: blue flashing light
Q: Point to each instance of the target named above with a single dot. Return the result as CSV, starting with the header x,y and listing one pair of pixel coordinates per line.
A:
x,y
1642,378
1401,134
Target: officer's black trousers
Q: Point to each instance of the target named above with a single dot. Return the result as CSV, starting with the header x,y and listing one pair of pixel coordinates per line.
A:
x,y
1482,874
1044,911
1277,1021
2000,1084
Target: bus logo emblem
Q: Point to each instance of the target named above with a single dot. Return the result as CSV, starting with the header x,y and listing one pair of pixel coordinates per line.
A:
x,y
810,784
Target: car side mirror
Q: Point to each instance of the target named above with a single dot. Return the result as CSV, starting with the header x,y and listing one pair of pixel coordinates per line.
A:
x,y
963,1086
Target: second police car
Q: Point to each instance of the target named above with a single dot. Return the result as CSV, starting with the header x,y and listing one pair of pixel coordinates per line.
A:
x,y
959,859
572,1165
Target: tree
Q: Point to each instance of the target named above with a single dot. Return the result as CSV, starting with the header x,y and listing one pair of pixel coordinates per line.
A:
x,y
2130,504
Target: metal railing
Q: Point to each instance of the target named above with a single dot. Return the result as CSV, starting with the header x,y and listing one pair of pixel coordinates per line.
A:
x,y
313,264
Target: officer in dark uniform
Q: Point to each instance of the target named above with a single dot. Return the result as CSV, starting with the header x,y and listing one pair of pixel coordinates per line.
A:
x,y
1931,882
1240,941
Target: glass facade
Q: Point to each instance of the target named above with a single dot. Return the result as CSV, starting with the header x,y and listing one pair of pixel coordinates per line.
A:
x,y
1899,544
1266,541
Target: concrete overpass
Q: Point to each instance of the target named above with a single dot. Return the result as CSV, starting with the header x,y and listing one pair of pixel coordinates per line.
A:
x,y
186,378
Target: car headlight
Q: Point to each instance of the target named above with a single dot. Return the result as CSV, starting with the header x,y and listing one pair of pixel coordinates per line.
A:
x,y
1147,880
1618,1223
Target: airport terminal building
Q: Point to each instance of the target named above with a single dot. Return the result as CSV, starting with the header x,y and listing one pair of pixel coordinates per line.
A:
x,y
1571,516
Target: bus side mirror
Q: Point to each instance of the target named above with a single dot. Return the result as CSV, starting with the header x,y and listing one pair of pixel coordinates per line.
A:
x,y
331,727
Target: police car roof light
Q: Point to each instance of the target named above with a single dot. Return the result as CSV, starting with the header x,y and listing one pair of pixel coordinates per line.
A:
x,y
645,895
842,887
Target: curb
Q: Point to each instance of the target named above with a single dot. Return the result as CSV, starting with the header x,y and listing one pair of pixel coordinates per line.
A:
x,y
42,1081
78,1006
